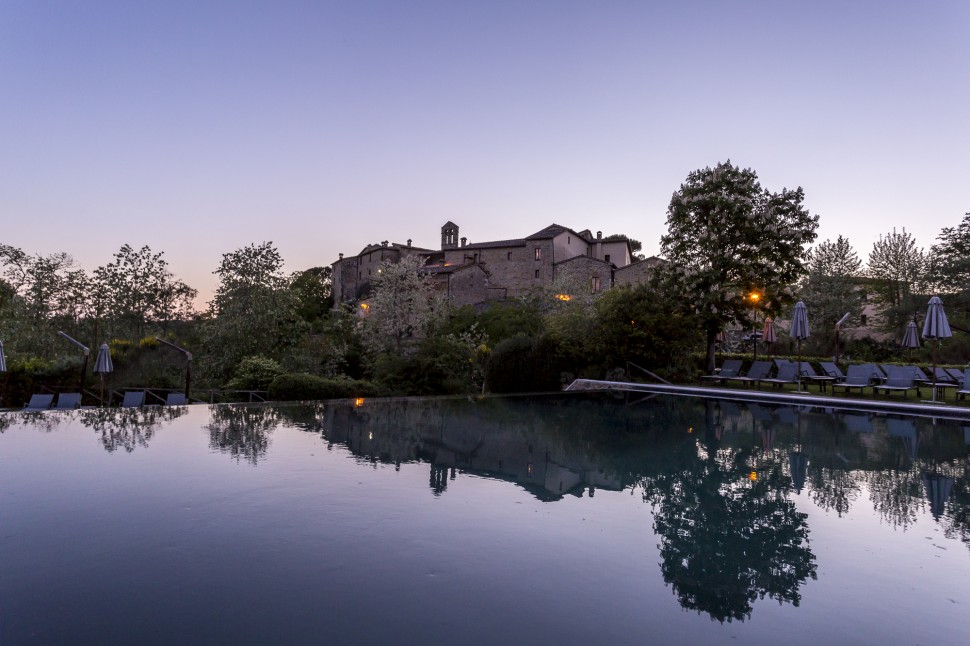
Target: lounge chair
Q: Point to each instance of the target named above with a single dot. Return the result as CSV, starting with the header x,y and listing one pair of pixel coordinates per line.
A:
x,y
176,399
901,379
943,376
68,401
786,375
957,375
758,371
134,399
965,385
859,376
832,370
39,402
730,368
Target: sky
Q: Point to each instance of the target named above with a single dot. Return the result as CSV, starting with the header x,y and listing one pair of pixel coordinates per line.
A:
x,y
199,127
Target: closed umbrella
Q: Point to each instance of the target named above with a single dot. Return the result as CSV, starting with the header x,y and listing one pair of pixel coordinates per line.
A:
x,y
3,359
935,328
799,332
910,338
103,366
768,334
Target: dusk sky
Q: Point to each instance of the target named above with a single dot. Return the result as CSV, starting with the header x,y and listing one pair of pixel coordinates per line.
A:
x,y
200,127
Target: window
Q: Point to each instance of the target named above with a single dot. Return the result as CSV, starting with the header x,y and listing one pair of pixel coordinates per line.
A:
x,y
862,319
538,253
607,257
508,256
569,240
595,284
537,273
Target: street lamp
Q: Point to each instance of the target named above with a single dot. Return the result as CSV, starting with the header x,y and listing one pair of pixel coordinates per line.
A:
x,y
755,298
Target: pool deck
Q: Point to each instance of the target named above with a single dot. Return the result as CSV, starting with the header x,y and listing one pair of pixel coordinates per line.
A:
x,y
927,409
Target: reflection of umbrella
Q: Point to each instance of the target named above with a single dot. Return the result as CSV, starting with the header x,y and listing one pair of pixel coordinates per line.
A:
x,y
910,338
906,430
768,334
103,365
937,490
799,332
935,327
798,462
3,359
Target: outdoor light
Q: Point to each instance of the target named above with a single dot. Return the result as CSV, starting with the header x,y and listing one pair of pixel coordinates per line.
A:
x,y
755,296
753,476
359,402
563,297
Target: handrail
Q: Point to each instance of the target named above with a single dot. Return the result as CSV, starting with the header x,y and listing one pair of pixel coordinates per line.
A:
x,y
657,377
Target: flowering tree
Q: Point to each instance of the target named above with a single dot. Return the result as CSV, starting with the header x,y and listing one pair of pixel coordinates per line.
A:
x,y
728,236
403,304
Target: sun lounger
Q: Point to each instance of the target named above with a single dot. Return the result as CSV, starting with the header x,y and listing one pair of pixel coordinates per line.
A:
x,y
134,399
176,399
965,386
943,376
786,375
832,370
730,368
68,401
901,379
957,376
39,402
859,376
758,371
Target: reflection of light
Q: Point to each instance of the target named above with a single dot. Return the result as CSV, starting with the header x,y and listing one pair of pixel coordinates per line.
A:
x,y
359,402
563,297
528,469
690,429
370,436
753,476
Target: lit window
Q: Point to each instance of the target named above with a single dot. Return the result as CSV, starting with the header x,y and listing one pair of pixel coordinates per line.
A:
x,y
538,253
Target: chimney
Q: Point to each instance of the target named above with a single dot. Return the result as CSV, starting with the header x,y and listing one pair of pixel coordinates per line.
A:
x,y
383,243
464,241
341,257
409,242
599,235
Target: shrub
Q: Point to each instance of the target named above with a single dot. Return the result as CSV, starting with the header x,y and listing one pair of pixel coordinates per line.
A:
x,y
301,386
522,364
255,373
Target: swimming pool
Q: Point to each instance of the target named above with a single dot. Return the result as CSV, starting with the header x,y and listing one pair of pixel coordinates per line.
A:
x,y
575,518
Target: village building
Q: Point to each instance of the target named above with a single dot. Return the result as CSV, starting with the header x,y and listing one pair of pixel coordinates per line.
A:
x,y
472,273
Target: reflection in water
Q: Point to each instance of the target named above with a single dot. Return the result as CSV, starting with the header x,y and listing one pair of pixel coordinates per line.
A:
x,y
723,478
118,428
242,431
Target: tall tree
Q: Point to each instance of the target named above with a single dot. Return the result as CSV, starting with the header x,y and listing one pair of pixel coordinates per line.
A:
x,y
728,236
403,304
253,313
951,260
313,289
831,288
900,272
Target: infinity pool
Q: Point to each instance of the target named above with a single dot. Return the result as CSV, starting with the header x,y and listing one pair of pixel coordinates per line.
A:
x,y
569,519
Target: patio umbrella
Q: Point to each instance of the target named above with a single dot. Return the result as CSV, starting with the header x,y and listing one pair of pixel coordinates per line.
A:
x,y
3,359
935,328
103,365
768,333
910,338
799,332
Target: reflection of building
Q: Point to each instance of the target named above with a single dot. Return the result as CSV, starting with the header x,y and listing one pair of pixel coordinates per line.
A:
x,y
469,443
476,272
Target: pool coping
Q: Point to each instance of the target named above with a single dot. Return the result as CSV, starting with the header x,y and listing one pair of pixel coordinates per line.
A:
x,y
805,399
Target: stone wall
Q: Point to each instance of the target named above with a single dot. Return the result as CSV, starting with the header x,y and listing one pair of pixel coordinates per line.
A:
x,y
638,273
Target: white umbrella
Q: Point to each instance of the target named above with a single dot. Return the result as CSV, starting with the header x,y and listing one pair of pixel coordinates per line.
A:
x,y
935,328
103,365
3,359
799,332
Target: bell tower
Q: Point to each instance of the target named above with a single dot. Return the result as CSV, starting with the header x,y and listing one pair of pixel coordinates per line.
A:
x,y
449,235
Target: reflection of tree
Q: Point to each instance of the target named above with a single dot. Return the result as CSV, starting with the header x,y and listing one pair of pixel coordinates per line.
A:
x,y
127,428
242,431
833,489
727,540
897,495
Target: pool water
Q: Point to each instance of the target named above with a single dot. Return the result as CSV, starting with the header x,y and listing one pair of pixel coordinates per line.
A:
x,y
568,519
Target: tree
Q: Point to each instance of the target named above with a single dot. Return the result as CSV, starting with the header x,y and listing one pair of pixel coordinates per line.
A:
x,y
831,288
137,288
900,271
253,312
403,305
313,289
727,236
951,260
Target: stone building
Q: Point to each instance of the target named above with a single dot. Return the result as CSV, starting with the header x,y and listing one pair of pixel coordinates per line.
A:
x,y
477,272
